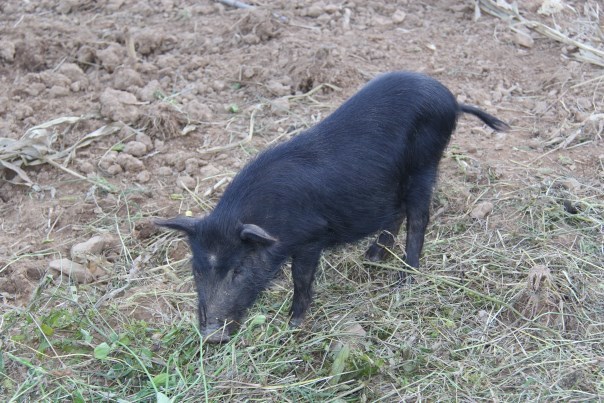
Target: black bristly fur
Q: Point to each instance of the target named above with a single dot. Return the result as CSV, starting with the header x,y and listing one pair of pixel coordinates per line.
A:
x,y
363,170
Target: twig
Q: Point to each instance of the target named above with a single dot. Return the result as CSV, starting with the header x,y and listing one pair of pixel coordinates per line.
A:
x,y
564,144
134,269
235,3
77,175
310,93
216,186
234,144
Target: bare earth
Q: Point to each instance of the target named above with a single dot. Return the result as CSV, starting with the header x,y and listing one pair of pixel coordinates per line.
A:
x,y
186,92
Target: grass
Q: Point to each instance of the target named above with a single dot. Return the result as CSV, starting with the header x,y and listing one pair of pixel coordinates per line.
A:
x,y
504,308
508,306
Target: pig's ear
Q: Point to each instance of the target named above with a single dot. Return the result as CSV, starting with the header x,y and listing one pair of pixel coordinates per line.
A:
x,y
252,232
180,223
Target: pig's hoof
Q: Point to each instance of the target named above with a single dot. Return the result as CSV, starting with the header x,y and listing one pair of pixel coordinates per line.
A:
x,y
376,253
295,323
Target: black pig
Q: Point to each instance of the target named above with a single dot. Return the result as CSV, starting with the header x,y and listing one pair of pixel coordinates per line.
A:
x,y
362,170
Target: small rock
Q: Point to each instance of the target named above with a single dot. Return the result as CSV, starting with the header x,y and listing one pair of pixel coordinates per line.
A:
x,y
148,41
111,57
540,107
7,51
535,144
66,6
86,56
119,106
186,182
398,16
581,117
218,85
143,177
114,169
250,39
108,159
135,148
198,111
570,184
191,166
145,229
482,210
145,139
483,316
158,144
248,72
57,91
35,89
566,161
356,329
523,38
164,171
73,72
22,111
314,11
532,5
380,20
331,8
79,273
460,7
93,246
86,167
150,91
130,163
126,78
209,171
280,105
550,7
277,88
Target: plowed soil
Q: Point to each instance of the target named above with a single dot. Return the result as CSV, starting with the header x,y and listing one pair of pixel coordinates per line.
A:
x,y
186,92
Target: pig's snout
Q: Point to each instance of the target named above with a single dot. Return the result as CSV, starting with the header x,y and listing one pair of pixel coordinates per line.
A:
x,y
216,334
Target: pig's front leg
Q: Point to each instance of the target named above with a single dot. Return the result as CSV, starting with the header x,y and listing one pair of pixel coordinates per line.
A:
x,y
304,266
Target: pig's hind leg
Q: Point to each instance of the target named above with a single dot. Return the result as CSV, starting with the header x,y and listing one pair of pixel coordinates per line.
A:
x,y
378,250
419,195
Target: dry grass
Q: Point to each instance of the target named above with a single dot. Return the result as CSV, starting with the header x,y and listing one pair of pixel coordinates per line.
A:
x,y
37,146
506,308
588,16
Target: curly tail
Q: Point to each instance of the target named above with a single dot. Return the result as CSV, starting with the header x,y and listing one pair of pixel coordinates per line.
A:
x,y
490,120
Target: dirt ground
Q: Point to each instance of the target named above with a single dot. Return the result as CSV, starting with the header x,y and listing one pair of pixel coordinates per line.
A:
x,y
184,92
172,72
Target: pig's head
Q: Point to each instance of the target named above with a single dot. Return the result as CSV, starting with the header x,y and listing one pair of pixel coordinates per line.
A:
x,y
231,266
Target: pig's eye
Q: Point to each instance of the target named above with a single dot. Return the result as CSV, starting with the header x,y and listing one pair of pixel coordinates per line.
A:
x,y
237,271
